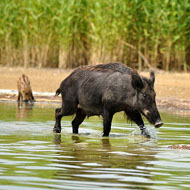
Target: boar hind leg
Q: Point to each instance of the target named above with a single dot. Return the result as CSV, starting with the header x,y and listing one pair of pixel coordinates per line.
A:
x,y
67,109
58,116
136,117
107,119
79,118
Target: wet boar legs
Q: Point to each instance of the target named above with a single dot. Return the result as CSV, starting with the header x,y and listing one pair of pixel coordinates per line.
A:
x,y
79,118
58,116
107,119
136,117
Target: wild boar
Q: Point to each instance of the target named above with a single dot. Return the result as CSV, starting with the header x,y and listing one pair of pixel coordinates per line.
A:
x,y
24,89
104,90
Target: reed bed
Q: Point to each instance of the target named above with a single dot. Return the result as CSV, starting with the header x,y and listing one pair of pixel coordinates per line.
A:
x,y
69,33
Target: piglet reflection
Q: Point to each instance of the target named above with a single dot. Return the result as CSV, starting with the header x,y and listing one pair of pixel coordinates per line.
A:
x,y
24,110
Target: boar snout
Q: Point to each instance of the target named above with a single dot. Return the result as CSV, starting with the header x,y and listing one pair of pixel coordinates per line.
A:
x,y
158,124
153,117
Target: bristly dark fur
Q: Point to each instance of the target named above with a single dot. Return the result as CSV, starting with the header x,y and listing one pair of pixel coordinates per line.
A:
x,y
104,90
110,67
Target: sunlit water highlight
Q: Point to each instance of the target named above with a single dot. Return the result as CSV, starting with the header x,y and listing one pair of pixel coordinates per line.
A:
x,y
32,157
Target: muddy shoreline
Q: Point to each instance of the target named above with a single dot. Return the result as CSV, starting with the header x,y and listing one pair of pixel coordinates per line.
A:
x,y
172,89
180,106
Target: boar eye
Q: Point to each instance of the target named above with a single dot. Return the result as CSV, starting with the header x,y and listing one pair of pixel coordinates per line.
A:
x,y
144,95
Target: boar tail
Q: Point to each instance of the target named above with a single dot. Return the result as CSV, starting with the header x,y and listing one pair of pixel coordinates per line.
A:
x,y
58,91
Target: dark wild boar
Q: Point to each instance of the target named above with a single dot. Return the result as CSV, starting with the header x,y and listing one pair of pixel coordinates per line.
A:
x,y
24,89
104,90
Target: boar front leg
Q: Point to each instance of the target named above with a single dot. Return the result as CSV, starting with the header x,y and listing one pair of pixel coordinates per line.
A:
x,y
136,117
107,119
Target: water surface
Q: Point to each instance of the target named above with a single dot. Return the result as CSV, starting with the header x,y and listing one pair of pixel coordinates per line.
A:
x,y
32,157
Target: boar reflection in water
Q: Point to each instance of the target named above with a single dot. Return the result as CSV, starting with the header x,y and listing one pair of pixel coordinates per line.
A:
x,y
113,155
104,90
24,89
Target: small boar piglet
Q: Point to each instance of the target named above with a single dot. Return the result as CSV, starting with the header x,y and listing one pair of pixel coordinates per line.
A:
x,y
24,89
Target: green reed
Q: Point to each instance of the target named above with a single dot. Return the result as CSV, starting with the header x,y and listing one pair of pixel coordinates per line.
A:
x,y
69,33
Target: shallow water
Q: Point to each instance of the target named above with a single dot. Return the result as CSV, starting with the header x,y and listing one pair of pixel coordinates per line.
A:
x,y
32,157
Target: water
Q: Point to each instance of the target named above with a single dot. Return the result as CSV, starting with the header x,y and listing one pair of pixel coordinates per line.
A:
x,y
32,157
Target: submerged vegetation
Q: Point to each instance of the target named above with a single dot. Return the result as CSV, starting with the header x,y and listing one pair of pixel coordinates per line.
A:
x,y
69,33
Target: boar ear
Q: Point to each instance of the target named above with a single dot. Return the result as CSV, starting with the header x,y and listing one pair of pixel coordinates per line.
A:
x,y
152,77
136,81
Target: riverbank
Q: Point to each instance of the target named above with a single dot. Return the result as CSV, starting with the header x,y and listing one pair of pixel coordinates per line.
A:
x,y
172,89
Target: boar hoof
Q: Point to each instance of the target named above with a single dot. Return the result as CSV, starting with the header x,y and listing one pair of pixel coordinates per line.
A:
x,y
145,132
56,130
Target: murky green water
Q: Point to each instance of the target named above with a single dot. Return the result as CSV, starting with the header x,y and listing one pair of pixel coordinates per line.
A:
x,y
32,157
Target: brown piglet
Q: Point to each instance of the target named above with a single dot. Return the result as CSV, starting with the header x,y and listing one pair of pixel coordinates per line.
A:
x,y
24,89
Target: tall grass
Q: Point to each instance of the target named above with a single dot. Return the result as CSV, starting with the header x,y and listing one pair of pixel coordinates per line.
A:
x,y
69,33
